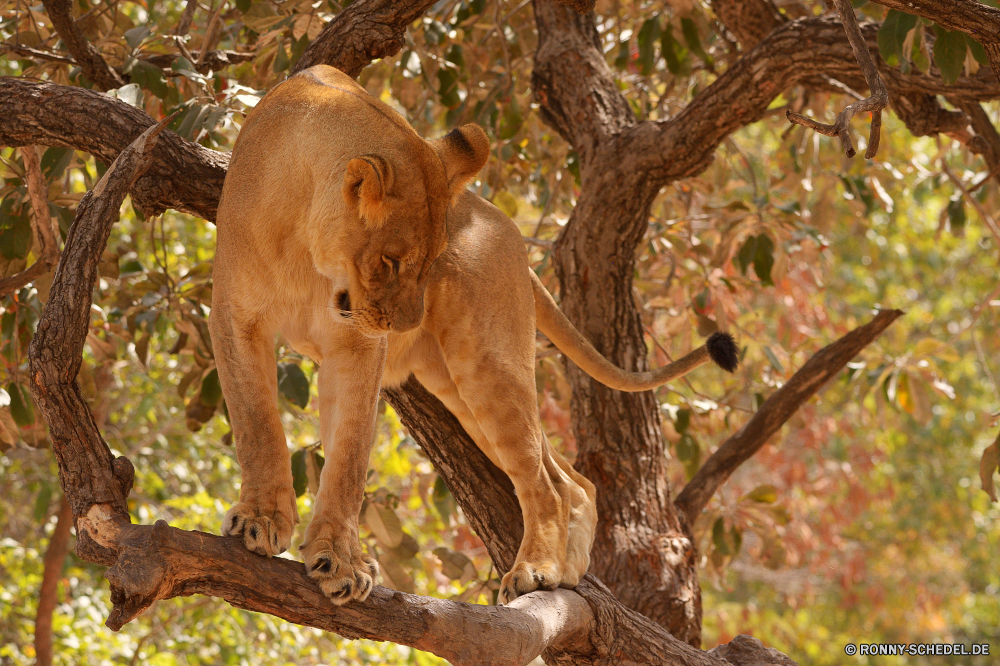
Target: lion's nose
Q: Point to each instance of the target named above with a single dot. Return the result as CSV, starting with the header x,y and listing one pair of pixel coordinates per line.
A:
x,y
344,303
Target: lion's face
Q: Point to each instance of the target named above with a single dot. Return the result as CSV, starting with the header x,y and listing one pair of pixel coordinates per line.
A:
x,y
400,211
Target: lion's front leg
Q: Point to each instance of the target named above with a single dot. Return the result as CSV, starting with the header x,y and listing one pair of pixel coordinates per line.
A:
x,y
349,382
266,514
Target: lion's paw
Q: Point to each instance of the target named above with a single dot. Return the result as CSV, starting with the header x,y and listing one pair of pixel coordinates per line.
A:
x,y
526,577
343,573
263,533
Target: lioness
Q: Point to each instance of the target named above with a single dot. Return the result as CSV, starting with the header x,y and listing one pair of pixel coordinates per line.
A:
x,y
354,238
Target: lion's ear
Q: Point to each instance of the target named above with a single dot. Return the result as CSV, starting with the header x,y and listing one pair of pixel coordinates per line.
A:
x,y
464,152
366,185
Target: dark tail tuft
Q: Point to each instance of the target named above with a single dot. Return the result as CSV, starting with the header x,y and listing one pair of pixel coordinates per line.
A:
x,y
722,349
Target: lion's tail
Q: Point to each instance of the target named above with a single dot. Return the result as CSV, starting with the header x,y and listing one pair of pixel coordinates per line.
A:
x,y
720,348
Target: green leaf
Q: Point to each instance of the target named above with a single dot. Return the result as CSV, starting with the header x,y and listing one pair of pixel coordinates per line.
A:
x,y
211,390
719,537
949,54
448,87
649,34
192,121
444,503
690,31
978,52
956,216
775,363
683,420
150,77
746,254
454,56
135,36
892,34
689,453
55,161
510,121
410,62
42,502
299,47
281,61
300,479
763,259
15,239
384,524
293,384
243,5
989,464
673,52
624,55
766,494
20,405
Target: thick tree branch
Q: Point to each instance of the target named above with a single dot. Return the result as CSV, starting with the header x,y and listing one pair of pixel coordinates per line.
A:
x,y
749,20
86,54
978,20
184,176
157,562
874,103
575,89
363,32
777,409
45,230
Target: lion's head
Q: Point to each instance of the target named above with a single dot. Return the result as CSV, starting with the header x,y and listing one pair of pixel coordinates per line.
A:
x,y
397,203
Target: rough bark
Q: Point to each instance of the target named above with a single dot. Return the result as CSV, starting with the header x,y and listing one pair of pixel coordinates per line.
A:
x,y
749,20
665,151
158,562
363,32
184,176
642,552
775,411
84,53
55,557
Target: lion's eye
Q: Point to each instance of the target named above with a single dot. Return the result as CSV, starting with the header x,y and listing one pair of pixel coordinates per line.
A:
x,y
391,263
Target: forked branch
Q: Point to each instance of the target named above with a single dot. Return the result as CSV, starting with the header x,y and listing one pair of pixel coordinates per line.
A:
x,y
875,102
775,411
159,562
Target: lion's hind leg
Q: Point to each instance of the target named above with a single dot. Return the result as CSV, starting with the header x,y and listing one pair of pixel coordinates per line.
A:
x,y
265,515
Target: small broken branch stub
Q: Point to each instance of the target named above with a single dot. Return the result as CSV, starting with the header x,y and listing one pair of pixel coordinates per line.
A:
x,y
874,103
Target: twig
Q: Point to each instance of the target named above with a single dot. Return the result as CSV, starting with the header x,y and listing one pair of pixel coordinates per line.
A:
x,y
875,102
774,413
29,52
86,54
45,230
990,222
976,311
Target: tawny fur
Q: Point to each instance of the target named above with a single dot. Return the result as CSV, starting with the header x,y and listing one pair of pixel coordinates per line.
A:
x,y
351,236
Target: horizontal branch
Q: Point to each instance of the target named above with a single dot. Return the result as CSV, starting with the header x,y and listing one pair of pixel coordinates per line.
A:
x,y
797,52
184,176
775,411
162,562
363,32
